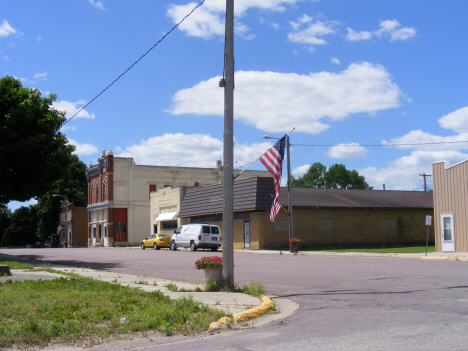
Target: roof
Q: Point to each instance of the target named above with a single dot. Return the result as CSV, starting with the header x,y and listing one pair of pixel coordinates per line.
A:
x,y
342,198
250,194
256,193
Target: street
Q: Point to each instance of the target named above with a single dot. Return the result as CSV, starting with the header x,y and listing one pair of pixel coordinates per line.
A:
x,y
346,303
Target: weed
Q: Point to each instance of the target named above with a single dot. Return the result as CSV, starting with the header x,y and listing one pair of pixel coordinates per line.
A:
x,y
172,287
211,285
254,289
281,252
141,282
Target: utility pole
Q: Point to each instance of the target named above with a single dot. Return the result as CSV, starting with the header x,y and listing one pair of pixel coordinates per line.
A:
x,y
425,176
228,171
290,208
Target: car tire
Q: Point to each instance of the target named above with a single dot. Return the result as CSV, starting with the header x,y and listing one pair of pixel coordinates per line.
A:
x,y
142,246
173,246
156,247
214,249
193,247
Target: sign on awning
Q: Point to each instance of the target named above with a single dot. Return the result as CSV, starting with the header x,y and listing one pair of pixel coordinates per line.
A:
x,y
169,216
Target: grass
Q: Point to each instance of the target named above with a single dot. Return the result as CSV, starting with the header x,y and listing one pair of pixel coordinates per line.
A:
x,y
16,265
406,249
76,310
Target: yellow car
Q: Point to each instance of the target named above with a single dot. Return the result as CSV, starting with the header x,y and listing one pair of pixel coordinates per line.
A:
x,y
156,241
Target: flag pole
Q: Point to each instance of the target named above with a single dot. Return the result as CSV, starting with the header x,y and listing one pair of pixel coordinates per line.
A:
x,y
251,163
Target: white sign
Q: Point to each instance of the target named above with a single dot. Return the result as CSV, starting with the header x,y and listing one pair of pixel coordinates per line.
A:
x,y
428,220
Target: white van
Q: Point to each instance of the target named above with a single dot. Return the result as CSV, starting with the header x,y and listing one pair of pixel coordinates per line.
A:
x,y
197,235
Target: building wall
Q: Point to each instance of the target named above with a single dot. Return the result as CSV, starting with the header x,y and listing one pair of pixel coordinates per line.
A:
x,y
350,227
450,197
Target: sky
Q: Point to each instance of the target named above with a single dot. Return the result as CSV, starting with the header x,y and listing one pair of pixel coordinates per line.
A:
x,y
362,82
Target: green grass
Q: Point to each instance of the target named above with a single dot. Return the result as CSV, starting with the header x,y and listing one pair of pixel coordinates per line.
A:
x,y
254,289
406,249
16,265
81,311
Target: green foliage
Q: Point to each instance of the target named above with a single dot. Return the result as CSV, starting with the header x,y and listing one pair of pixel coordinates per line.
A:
x,y
76,310
73,184
16,265
22,226
32,150
211,285
337,176
254,289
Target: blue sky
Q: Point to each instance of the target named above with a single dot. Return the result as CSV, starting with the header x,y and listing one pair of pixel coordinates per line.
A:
x,y
350,73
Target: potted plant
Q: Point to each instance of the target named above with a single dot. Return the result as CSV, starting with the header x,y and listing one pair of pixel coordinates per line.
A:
x,y
295,244
212,265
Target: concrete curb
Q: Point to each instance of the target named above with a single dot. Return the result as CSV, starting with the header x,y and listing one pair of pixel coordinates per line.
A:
x,y
246,315
443,258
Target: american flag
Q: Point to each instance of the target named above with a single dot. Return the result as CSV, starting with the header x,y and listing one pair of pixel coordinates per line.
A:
x,y
59,229
273,161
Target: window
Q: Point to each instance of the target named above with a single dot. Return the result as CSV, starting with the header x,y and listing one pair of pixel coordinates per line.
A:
x,y
91,194
155,228
104,191
169,225
447,228
206,229
152,188
326,225
97,193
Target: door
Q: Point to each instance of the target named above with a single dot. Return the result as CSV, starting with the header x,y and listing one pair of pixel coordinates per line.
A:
x,y
246,234
447,234
105,235
94,236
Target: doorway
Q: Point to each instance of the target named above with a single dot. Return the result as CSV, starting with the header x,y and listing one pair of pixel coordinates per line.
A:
x,y
447,234
246,234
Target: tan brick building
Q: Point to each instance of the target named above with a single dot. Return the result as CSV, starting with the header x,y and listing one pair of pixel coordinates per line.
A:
x,y
74,223
323,218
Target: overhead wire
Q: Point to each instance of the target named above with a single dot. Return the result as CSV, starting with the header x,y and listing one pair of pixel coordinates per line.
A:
x,y
129,68
382,145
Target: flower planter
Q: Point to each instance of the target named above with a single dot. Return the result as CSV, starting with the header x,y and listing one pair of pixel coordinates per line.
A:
x,y
216,274
295,246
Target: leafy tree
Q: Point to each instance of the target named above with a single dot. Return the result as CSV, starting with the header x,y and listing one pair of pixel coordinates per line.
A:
x,y
337,176
33,152
72,184
22,228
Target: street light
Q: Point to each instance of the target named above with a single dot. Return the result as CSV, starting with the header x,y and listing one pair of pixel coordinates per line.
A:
x,y
66,217
290,216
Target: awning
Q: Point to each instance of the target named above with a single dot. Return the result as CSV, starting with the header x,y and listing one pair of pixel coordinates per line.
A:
x,y
169,216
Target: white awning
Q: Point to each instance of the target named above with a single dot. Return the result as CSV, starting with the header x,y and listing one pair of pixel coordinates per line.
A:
x,y
170,216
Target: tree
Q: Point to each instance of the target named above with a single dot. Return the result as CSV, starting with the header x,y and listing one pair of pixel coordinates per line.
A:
x,y
22,228
337,176
72,184
33,152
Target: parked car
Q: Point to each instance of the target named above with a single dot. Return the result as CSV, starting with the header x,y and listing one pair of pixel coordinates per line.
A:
x,y
40,244
156,241
204,236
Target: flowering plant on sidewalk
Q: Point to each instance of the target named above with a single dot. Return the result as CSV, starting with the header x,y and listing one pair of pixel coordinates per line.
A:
x,y
295,240
209,262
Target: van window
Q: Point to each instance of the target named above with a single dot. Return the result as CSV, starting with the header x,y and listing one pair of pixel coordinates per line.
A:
x,y
206,230
214,230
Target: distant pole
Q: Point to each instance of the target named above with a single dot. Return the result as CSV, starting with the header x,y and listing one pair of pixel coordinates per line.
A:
x,y
290,209
425,176
228,171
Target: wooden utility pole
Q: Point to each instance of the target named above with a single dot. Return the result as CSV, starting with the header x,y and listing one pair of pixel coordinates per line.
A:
x,y
228,171
425,176
290,208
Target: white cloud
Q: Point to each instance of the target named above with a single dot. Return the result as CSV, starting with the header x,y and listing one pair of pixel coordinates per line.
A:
x,y
39,39
97,4
300,171
41,76
70,108
356,36
403,173
390,28
83,149
208,20
456,121
313,33
6,29
276,102
393,29
429,141
189,150
352,150
335,61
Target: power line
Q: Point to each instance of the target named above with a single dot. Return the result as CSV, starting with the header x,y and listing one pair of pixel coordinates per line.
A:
x,y
129,68
381,145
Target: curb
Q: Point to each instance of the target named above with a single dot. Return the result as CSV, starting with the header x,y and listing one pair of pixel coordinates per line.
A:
x,y
443,258
246,315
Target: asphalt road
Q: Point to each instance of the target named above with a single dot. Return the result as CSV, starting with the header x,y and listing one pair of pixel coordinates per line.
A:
x,y
347,303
